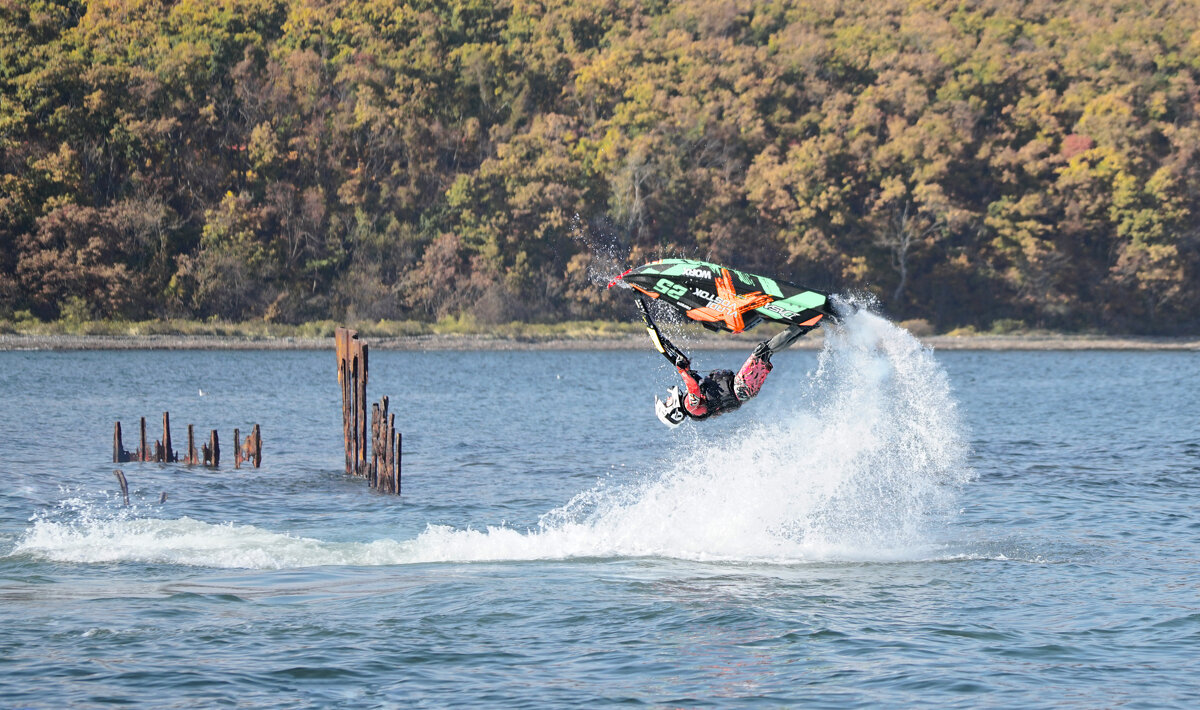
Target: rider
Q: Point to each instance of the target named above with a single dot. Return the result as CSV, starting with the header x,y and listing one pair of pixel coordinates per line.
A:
x,y
721,390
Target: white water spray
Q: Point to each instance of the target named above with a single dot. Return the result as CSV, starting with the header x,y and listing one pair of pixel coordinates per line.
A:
x,y
863,462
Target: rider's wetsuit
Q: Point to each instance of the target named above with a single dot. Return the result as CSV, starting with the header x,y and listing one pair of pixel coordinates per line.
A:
x,y
723,391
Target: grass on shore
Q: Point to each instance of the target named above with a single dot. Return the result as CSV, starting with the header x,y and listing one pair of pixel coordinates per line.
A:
x,y
22,323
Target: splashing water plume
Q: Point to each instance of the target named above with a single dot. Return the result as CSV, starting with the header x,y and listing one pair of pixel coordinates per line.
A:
x,y
891,457
863,462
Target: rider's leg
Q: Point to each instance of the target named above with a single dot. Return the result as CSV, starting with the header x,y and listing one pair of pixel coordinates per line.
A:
x,y
749,380
784,339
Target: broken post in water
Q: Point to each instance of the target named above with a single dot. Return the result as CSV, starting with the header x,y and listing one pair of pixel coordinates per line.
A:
x,y
385,457
120,455
388,479
212,452
169,455
190,459
252,447
385,461
381,467
143,450
208,455
352,377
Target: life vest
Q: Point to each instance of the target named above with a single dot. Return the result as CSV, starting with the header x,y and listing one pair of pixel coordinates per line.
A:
x,y
717,390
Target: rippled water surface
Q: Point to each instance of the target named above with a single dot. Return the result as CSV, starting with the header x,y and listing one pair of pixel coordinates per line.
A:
x,y
883,526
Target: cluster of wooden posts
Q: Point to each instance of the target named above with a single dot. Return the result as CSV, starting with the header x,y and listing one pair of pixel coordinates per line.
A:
x,y
382,469
380,464
209,454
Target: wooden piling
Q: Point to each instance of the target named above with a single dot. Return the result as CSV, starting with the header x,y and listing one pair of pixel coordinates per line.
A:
x,y
381,465
383,478
214,449
361,398
382,475
252,448
120,455
190,459
341,345
168,455
209,453
385,457
375,450
352,377
355,441
392,484
384,471
358,403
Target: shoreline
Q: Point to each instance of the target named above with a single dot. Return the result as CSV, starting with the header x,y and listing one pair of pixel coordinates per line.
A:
x,y
55,343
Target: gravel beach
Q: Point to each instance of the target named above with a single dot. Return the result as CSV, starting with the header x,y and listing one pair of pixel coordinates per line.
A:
x,y
484,342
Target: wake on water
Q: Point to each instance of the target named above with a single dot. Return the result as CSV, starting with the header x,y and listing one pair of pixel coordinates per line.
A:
x,y
865,464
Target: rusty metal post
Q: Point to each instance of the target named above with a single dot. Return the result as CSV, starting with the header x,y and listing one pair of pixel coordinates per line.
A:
x,y
214,446
237,449
399,458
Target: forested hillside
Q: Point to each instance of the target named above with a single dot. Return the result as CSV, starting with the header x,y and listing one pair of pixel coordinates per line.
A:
x,y
968,161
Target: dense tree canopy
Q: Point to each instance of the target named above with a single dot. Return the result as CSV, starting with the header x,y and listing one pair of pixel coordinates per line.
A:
x,y
967,160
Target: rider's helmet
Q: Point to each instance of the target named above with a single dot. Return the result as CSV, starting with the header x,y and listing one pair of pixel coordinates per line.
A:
x,y
670,412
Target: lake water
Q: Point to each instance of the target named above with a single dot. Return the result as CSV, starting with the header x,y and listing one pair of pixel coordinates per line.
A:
x,y
883,526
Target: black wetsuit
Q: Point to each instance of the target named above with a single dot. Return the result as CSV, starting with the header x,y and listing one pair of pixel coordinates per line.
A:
x,y
710,396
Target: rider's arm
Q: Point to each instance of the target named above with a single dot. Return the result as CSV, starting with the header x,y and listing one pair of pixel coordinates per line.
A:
x,y
694,401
